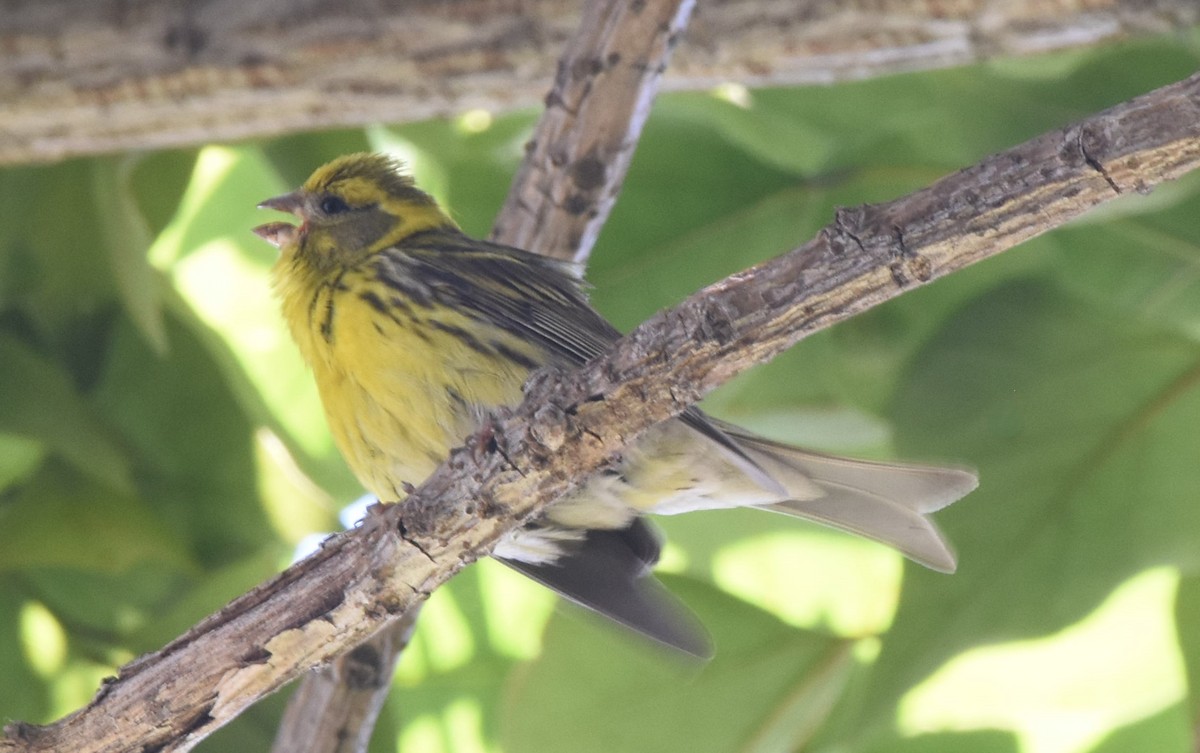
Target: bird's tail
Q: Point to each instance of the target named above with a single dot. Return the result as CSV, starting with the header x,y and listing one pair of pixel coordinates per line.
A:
x,y
886,502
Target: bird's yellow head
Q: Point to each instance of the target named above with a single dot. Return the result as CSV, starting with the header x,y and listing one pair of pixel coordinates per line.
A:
x,y
349,209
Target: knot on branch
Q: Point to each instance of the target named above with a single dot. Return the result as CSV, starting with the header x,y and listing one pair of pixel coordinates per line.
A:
x,y
550,428
717,322
868,230
544,384
908,265
590,173
846,232
365,668
1089,144
23,732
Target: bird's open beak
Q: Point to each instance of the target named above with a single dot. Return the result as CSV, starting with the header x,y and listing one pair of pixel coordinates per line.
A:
x,y
280,233
288,202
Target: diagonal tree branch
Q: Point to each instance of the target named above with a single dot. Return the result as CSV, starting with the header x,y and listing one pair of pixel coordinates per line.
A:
x,y
561,196
571,424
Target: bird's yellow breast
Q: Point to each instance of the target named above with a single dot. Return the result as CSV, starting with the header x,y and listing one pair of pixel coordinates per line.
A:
x,y
401,384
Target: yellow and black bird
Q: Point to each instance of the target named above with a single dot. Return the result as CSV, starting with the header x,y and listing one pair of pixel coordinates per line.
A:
x,y
415,331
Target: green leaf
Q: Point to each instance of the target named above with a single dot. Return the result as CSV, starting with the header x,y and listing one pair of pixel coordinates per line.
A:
x,y
40,402
1166,732
730,240
723,182
106,608
157,181
1187,624
23,694
126,237
1146,263
219,206
596,688
754,122
192,438
62,519
1082,425
19,457
53,273
469,171
294,157
976,741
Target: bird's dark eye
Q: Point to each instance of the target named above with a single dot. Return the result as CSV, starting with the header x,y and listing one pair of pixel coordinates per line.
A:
x,y
334,205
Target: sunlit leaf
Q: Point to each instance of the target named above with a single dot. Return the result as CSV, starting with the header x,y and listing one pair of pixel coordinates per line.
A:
x,y
24,695
19,457
1082,425
595,688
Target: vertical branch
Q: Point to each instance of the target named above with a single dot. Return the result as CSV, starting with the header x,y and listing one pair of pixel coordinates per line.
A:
x,y
561,196
581,149
336,706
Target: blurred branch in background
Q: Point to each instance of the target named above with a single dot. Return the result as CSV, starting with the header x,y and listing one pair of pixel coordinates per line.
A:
x,y
84,77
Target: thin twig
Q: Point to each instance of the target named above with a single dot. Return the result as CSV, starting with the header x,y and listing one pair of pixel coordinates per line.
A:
x,y
571,424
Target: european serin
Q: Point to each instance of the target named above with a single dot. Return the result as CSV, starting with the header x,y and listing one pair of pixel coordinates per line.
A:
x,y
415,331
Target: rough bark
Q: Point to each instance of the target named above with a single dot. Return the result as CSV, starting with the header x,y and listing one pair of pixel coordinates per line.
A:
x,y
580,151
335,708
82,77
571,424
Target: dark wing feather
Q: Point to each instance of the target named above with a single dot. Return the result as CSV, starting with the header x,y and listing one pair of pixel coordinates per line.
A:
x,y
609,572
534,297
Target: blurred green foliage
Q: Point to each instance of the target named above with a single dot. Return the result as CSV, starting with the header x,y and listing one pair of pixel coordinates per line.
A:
x,y
162,448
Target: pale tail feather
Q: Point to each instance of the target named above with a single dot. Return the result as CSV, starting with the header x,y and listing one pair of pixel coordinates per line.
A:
x,y
886,502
